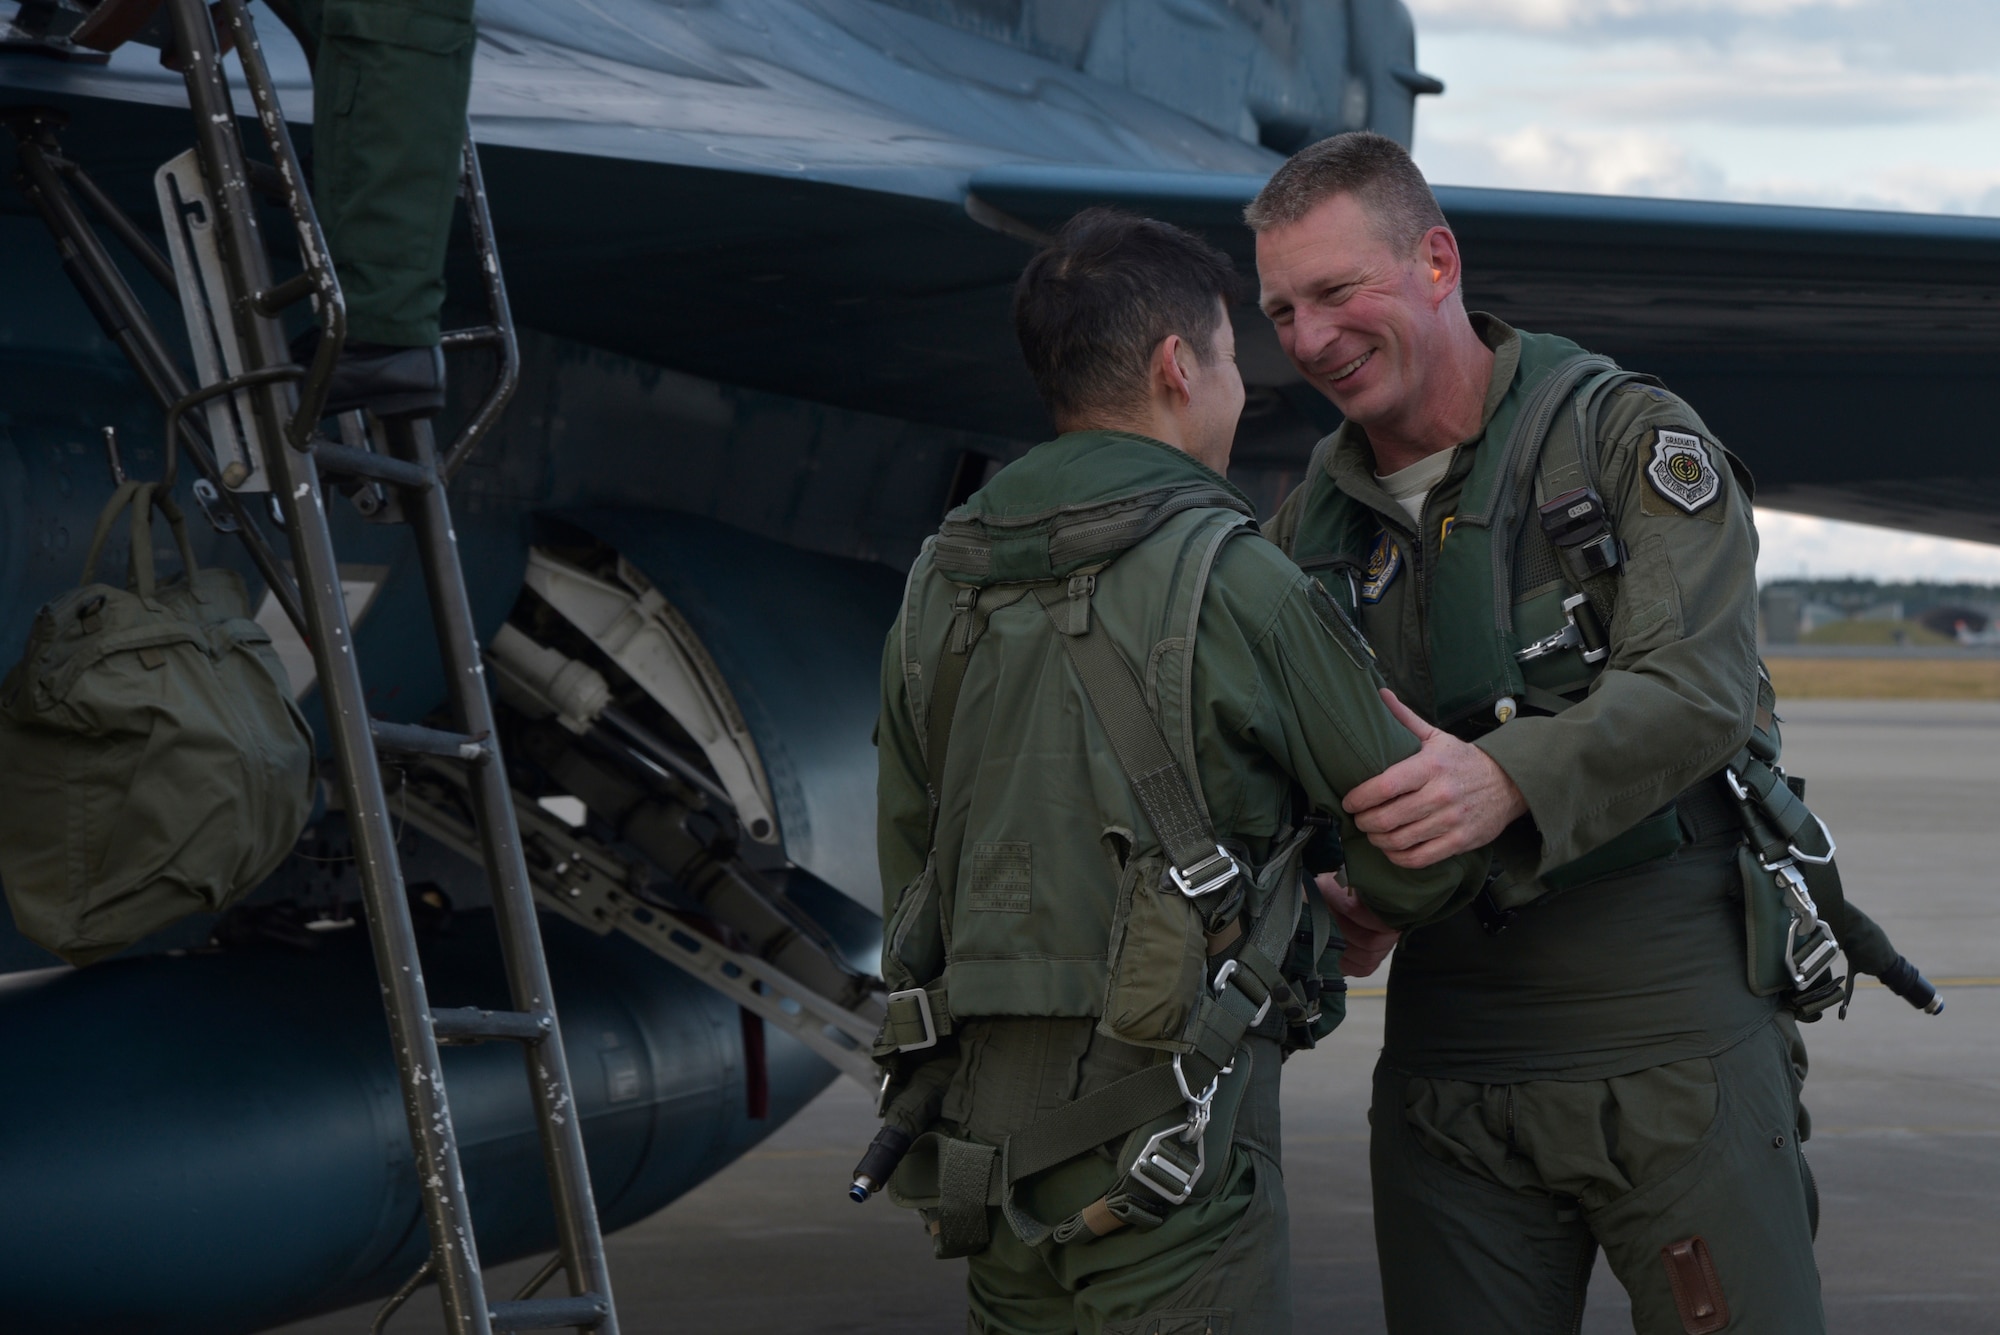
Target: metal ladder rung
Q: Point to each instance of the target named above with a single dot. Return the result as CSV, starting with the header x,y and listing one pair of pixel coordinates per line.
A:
x,y
345,461
586,1309
474,337
409,739
471,1024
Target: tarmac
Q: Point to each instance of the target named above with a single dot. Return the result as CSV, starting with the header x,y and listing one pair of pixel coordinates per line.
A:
x,y
1905,1110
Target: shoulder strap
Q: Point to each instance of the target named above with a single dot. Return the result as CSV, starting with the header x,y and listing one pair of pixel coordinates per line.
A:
x,y
1568,461
1119,701
973,608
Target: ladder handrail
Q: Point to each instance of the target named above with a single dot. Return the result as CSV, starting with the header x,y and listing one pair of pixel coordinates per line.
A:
x,y
314,256
501,319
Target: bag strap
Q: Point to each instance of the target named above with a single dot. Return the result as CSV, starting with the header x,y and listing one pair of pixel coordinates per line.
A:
x,y
120,499
140,498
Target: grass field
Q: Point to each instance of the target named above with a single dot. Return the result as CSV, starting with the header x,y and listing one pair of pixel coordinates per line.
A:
x,y
1885,678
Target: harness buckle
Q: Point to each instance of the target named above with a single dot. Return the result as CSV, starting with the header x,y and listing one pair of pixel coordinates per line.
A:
x,y
1809,943
1569,637
1736,788
1166,1175
923,1000
1207,876
1222,977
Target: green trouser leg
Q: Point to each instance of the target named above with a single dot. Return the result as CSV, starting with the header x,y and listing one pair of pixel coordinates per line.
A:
x,y
389,93
1219,1265
1492,1200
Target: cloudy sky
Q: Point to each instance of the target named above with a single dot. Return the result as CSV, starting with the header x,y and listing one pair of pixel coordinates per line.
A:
x,y
1853,103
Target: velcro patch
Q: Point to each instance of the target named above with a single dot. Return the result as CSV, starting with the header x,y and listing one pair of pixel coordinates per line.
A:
x,y
1682,472
1001,876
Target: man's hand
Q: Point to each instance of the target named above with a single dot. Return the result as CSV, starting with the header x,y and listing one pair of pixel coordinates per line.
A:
x,y
1369,939
1447,799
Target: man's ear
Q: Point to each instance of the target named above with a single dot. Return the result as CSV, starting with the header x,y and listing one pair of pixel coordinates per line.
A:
x,y
1438,253
1172,369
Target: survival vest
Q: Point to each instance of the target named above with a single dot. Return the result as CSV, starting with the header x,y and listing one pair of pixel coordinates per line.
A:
x,y
1521,604
1077,877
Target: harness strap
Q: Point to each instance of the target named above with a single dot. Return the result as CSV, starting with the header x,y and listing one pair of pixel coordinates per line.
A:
x,y
1157,780
1567,463
965,1182
1241,1000
974,608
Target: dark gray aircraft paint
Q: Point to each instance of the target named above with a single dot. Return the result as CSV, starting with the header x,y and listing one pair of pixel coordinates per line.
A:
x,y
761,251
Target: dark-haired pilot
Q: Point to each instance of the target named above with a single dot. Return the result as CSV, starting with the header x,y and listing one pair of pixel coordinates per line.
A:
x,y
1102,693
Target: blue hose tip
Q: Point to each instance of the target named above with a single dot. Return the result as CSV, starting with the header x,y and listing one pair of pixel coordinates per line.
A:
x,y
859,1192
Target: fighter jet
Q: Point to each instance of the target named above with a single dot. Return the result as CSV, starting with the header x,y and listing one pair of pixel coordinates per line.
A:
x,y
758,254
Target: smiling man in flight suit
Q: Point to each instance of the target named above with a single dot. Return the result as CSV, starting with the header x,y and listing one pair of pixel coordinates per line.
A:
x,y
1576,1061
1110,712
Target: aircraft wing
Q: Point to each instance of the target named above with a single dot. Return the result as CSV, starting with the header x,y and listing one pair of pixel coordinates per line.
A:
x,y
830,201
1844,354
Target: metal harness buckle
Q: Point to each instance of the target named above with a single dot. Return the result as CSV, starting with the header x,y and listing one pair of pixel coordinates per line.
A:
x,y
1569,637
923,1010
1174,1183
1818,948
1206,877
1222,977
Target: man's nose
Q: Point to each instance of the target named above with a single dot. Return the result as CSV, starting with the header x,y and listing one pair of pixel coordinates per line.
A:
x,y
1312,333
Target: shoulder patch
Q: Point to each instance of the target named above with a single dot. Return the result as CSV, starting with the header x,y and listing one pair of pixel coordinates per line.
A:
x,y
1682,471
1385,562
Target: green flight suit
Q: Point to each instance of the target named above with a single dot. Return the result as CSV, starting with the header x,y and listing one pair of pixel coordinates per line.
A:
x,y
390,85
1597,1073
1037,835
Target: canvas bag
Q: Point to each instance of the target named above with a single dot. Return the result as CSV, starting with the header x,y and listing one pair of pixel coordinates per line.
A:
x,y
152,761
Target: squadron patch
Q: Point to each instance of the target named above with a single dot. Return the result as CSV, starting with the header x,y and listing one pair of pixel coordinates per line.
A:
x,y
1385,561
1682,472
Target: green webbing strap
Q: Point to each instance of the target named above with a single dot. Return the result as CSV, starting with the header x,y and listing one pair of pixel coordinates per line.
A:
x,y
903,1026
1218,1028
1093,1120
1119,702
1566,464
965,1183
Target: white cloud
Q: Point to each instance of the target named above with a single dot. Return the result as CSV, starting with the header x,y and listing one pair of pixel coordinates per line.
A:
x,y
1608,162
1797,545
1856,103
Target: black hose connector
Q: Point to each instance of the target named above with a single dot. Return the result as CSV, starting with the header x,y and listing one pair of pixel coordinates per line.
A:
x,y
876,1166
1903,979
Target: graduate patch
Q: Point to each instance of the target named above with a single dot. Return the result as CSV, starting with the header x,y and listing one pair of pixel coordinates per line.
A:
x,y
1682,472
1385,560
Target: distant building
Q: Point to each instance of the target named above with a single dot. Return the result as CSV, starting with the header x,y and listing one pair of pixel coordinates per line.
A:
x,y
1778,615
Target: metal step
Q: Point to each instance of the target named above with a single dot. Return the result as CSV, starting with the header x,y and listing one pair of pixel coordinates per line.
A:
x,y
586,1311
469,1024
410,739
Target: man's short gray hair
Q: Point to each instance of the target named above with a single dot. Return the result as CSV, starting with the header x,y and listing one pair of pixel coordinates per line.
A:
x,y
1376,170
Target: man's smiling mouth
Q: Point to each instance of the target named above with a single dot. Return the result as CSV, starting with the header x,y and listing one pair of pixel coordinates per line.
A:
x,y
1352,366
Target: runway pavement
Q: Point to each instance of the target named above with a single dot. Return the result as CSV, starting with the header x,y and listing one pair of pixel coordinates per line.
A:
x,y
1906,1111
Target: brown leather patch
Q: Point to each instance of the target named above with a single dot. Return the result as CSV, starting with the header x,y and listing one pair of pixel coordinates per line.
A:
x,y
1697,1292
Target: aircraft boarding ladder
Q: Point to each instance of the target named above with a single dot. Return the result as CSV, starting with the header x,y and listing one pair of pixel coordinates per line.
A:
x,y
252,425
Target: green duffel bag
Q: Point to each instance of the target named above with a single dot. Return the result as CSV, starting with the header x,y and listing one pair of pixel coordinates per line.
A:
x,y
152,762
